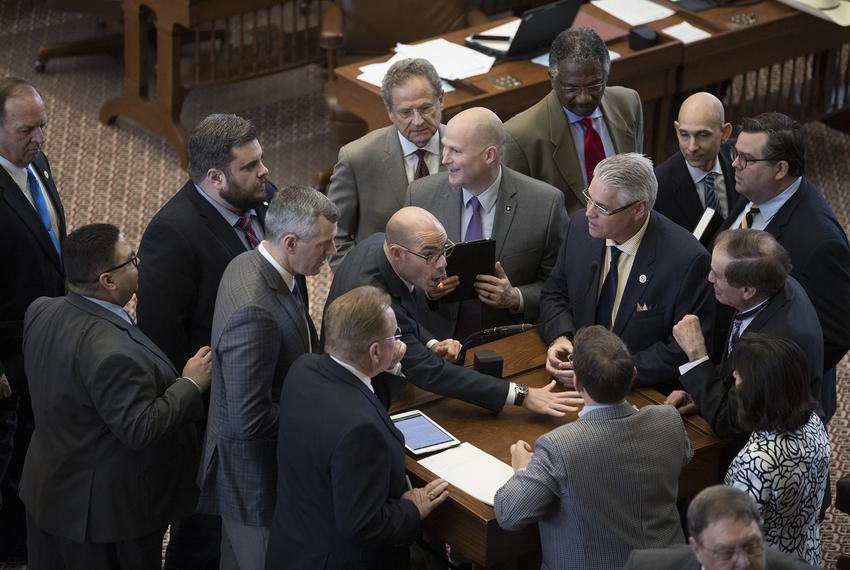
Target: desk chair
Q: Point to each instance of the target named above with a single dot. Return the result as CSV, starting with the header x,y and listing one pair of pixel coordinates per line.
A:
x,y
110,14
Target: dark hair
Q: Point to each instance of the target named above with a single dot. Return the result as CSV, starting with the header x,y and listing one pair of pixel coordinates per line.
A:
x,y
603,364
775,389
580,46
9,87
87,252
212,140
784,139
757,260
720,502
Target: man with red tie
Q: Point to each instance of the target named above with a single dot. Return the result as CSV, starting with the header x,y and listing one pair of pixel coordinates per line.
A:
x,y
562,138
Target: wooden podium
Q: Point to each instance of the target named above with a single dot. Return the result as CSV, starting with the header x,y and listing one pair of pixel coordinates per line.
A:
x,y
468,525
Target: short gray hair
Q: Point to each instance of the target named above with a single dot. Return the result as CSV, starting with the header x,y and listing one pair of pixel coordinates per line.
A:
x,y
403,70
295,210
580,46
720,502
631,174
212,140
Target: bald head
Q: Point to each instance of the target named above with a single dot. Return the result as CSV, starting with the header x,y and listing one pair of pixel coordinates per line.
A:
x,y
413,243
473,145
701,129
410,223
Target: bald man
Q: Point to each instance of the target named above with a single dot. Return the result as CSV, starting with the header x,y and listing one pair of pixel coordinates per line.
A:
x,y
409,262
526,217
701,173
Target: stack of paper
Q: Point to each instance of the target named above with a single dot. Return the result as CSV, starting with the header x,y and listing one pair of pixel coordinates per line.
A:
x,y
451,60
686,33
634,12
471,470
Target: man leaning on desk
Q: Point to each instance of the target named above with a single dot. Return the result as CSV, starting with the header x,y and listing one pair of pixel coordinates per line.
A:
x,y
562,138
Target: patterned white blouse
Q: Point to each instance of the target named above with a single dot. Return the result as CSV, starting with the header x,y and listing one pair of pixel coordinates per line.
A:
x,y
786,475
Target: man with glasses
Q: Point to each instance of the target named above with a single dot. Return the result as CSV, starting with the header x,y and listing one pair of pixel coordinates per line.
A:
x,y
726,534
627,268
114,454
769,159
372,173
479,198
562,138
409,262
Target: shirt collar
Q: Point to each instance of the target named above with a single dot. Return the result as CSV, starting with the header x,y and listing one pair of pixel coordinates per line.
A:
x,y
631,245
287,276
769,208
591,407
229,216
488,197
18,174
111,307
432,146
360,376
697,174
573,118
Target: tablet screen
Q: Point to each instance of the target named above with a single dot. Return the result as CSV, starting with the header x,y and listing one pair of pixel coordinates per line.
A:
x,y
420,432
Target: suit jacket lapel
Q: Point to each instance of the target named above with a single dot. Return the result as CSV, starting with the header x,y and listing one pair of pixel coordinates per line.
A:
x,y
786,212
393,167
450,206
564,155
621,132
585,309
275,281
640,275
506,205
217,225
43,170
685,190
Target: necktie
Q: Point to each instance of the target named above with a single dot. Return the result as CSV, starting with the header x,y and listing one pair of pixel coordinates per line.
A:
x,y
299,302
41,207
711,200
245,223
594,151
750,216
474,229
735,332
421,166
605,306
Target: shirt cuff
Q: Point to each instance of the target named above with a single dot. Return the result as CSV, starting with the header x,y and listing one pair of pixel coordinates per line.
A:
x,y
198,386
687,367
431,343
521,302
509,401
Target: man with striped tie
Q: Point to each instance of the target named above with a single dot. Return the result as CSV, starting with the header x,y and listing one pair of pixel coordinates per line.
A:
x,y
32,228
769,159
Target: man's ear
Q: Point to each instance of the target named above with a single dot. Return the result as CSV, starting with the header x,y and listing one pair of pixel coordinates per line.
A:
x,y
725,132
288,242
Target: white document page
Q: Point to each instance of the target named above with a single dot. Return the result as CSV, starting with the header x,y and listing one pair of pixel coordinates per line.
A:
x,y
634,12
473,471
686,33
508,29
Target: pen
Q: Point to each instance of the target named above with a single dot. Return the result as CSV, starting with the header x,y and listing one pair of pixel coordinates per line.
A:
x,y
409,484
489,38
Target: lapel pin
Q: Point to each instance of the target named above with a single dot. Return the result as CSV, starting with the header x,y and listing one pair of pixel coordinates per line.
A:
x,y
265,203
46,175
508,207
642,278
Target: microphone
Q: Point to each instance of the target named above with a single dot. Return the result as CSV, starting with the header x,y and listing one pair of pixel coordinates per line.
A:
x,y
495,333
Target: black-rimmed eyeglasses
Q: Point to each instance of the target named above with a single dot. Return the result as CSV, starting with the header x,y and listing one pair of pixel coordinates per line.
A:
x,y
604,209
744,160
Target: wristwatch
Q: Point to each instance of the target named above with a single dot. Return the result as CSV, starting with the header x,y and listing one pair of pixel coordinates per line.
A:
x,y
520,392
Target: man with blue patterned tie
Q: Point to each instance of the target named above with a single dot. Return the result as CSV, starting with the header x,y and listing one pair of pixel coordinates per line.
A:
x,y
32,227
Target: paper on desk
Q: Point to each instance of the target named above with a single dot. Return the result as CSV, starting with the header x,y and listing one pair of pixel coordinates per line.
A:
x,y
508,29
686,33
373,73
471,470
543,58
840,14
634,12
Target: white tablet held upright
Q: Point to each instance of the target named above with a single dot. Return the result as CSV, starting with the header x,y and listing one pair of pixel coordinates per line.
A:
x,y
421,433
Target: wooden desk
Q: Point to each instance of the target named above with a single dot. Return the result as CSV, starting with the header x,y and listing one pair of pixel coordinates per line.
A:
x,y
469,525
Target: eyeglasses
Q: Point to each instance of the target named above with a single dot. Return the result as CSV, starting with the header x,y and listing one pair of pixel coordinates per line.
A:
x,y
134,259
744,160
432,258
572,90
726,553
603,209
395,337
423,111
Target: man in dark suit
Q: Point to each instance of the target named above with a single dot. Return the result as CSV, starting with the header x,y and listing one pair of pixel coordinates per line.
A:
x,y
478,198
627,268
749,272
560,139
371,176
408,262
342,500
725,528
32,228
700,174
261,325
114,452
769,161
186,247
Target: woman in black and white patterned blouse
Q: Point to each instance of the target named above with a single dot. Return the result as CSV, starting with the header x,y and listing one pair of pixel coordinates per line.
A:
x,y
785,462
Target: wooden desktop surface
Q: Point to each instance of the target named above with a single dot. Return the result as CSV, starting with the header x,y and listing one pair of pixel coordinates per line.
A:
x,y
469,525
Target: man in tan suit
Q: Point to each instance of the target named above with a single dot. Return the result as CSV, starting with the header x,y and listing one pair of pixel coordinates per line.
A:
x,y
561,138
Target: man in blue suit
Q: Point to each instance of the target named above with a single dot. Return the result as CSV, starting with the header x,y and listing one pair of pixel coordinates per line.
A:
x,y
627,268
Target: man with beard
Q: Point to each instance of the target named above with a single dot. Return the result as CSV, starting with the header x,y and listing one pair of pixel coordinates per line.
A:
x,y
217,215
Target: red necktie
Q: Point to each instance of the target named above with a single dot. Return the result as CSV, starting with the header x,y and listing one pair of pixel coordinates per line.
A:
x,y
421,166
594,152
245,223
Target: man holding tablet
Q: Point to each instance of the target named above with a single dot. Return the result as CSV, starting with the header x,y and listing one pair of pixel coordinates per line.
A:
x,y
335,509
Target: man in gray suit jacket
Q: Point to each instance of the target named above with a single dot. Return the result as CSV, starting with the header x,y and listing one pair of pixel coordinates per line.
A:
x,y
260,327
112,459
372,173
478,198
725,528
606,483
561,138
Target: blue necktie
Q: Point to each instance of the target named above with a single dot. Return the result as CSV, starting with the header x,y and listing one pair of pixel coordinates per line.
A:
x,y
605,306
711,200
41,207
474,229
